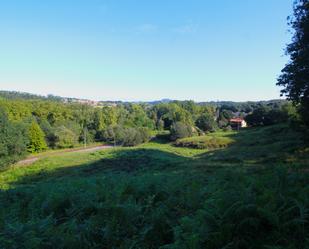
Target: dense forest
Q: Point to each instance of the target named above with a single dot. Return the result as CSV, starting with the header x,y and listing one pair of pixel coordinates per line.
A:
x,y
34,123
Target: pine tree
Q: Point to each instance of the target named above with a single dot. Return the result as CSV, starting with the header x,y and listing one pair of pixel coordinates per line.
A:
x,y
36,138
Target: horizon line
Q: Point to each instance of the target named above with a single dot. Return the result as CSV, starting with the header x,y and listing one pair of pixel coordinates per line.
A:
x,y
137,101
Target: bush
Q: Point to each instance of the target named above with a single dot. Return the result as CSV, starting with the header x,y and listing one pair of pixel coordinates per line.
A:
x,y
49,132
136,136
206,122
65,137
132,137
204,142
113,134
126,136
180,130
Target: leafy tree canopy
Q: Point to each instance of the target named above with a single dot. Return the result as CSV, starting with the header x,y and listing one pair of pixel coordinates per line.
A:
x,y
295,75
36,138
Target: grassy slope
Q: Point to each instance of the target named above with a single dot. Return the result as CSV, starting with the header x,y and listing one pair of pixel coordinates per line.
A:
x,y
211,141
157,194
254,147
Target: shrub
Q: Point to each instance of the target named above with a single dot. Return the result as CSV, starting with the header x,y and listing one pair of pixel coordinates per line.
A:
x,y
65,137
204,142
180,130
135,136
132,137
49,132
126,136
206,122
113,134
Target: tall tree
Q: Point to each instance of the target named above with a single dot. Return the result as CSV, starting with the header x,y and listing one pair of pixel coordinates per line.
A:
x,y
206,122
36,138
295,75
12,141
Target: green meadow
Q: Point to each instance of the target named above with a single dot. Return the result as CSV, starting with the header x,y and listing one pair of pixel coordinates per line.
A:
x,y
250,193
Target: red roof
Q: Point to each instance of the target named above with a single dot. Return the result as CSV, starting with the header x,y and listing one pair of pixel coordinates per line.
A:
x,y
236,120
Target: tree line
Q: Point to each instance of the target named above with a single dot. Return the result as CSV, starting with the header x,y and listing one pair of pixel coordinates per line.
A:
x,y
31,125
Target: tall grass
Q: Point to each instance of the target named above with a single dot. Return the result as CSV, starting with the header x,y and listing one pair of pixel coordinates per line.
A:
x,y
205,142
161,196
229,209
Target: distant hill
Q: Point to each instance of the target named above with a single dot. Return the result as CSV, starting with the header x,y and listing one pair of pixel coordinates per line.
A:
x,y
30,96
24,95
19,95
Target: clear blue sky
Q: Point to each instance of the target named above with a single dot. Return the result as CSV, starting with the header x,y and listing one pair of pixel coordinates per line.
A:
x,y
144,50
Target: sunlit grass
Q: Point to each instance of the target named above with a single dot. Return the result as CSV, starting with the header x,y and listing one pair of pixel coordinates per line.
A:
x,y
211,141
246,147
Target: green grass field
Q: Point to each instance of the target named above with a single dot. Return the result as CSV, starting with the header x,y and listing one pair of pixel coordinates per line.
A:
x,y
251,193
212,141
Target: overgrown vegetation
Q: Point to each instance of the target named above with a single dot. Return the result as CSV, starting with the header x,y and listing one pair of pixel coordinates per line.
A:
x,y
126,136
161,196
212,141
180,130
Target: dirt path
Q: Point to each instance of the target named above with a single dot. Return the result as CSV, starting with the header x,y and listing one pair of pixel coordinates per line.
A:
x,y
33,159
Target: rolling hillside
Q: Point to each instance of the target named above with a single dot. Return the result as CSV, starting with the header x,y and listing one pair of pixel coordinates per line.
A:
x,y
250,194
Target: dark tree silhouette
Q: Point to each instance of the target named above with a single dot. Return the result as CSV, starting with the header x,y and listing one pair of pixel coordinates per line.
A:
x,y
295,75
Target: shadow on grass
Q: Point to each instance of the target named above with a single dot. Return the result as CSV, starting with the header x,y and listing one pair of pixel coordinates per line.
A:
x,y
128,161
258,147
266,145
71,208
161,138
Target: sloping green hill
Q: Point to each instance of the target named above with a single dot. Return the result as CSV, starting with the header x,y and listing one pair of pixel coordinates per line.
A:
x,y
251,194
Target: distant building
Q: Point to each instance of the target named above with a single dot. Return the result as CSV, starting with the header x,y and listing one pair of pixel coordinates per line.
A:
x,y
81,101
237,123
